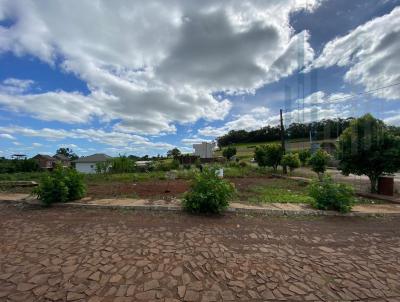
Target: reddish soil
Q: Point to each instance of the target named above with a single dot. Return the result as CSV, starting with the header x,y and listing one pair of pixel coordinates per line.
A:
x,y
150,189
161,188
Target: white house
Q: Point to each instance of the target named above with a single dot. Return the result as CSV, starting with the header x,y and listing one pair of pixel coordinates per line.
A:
x,y
204,149
87,164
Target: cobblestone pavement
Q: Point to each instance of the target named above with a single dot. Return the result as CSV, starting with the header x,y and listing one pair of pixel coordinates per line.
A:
x,y
101,255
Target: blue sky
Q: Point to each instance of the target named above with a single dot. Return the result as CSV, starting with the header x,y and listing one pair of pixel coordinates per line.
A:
x,y
124,77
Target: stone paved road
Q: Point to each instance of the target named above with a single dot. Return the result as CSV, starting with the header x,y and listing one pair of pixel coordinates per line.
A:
x,y
102,255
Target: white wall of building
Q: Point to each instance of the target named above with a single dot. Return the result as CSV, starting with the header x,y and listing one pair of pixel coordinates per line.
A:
x,y
204,150
86,167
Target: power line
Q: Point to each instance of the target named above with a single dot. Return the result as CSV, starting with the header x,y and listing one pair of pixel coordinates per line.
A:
x,y
362,93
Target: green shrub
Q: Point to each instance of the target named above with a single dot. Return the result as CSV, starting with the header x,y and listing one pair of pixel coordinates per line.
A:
x,y
269,155
319,162
291,160
243,164
208,193
229,152
329,195
52,189
74,182
60,186
304,156
120,164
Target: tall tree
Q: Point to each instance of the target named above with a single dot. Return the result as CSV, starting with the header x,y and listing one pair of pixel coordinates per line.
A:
x,y
68,153
174,153
368,148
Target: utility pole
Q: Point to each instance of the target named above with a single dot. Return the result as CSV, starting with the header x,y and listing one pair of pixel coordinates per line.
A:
x,y
283,140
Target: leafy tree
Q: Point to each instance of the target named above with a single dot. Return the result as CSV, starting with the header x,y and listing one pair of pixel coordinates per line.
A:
x,y
269,155
68,153
319,162
229,152
121,164
174,153
368,148
291,160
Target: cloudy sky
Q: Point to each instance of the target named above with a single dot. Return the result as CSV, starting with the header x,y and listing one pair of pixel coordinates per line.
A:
x,y
140,77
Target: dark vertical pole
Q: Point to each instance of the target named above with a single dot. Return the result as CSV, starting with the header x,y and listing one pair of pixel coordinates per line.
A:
x,y
283,139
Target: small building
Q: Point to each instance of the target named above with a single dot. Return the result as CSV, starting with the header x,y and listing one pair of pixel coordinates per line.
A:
x,y
46,162
62,160
87,164
204,149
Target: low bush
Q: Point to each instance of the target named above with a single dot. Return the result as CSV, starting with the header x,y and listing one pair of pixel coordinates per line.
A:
x,y
329,195
229,152
319,162
75,184
304,156
291,160
60,186
208,193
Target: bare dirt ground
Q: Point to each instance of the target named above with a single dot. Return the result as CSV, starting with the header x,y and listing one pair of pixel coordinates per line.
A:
x,y
161,188
146,189
100,255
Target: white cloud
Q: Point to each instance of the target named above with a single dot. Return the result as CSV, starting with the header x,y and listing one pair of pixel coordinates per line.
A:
x,y
118,140
15,86
256,119
371,51
7,136
194,140
152,64
37,145
318,106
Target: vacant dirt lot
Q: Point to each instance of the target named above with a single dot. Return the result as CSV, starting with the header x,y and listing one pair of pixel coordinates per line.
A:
x,y
101,255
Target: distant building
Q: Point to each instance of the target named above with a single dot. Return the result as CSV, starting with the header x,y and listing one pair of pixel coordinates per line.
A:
x,y
62,160
204,149
46,162
87,164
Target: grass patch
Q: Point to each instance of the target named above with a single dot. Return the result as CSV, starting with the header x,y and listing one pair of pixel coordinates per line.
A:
x,y
276,190
270,195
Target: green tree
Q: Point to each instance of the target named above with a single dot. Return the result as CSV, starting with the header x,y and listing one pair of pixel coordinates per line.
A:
x,y
122,164
68,153
368,148
269,155
304,156
319,162
229,152
291,160
174,153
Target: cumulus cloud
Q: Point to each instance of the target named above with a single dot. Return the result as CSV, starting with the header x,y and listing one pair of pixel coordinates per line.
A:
x,y
256,119
118,140
371,51
152,64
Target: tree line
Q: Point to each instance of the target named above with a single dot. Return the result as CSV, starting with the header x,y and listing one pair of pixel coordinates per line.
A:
x,y
324,129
